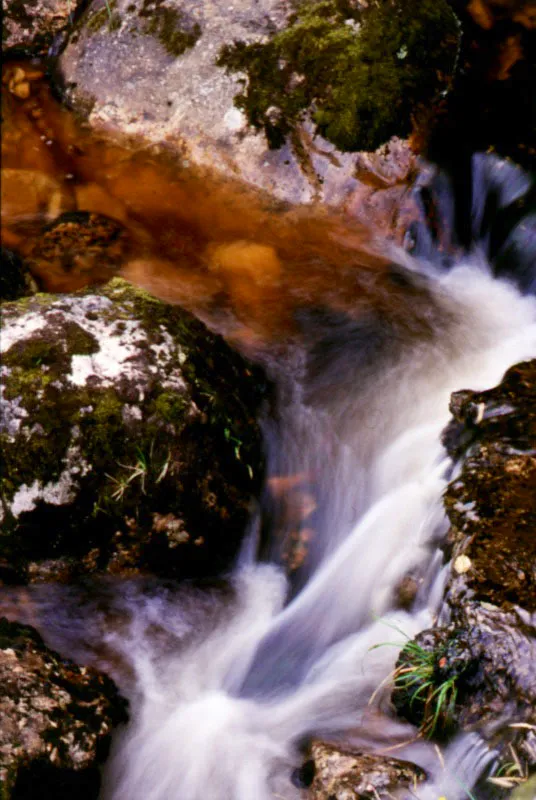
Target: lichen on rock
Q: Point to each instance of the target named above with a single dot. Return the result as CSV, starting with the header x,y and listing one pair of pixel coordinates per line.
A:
x,y
129,437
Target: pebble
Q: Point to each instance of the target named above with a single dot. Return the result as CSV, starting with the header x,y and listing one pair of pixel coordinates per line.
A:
x,y
462,564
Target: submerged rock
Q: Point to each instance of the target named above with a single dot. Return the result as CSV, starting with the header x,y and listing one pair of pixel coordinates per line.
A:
x,y
56,720
129,438
479,672
273,92
335,773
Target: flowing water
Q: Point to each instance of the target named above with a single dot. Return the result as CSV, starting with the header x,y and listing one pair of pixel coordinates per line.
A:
x,y
228,684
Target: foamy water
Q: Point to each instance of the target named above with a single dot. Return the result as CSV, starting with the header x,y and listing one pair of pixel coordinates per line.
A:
x,y
221,715
226,687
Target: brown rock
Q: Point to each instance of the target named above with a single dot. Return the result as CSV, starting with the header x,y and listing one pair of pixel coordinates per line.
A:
x,y
341,774
56,720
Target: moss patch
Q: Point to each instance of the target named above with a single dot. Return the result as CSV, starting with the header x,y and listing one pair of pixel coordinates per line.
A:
x,y
105,16
360,74
171,26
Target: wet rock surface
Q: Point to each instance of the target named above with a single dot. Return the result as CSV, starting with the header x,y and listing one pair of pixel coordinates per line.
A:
x,y
492,504
56,720
31,25
164,56
487,653
129,439
334,773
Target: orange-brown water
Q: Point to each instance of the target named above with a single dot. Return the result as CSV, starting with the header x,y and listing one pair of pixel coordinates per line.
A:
x,y
190,237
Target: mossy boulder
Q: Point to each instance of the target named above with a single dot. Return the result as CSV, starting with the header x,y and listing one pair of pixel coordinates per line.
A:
x,y
225,75
56,720
129,438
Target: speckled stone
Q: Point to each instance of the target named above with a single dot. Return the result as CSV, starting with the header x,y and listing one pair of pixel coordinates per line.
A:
x,y
341,774
31,25
56,720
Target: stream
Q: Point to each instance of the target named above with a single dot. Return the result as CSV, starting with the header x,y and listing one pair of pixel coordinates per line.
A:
x,y
228,683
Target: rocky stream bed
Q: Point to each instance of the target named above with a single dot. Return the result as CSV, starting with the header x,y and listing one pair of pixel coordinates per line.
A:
x,y
130,440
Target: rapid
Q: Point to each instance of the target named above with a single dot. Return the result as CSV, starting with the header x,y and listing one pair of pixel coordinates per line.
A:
x,y
228,683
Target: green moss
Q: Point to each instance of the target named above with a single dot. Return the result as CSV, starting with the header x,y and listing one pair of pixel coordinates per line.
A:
x,y
170,26
197,466
26,382
170,407
106,16
361,75
23,357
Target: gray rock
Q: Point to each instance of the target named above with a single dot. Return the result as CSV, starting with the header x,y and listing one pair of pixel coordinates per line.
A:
x,y
149,71
56,720
129,438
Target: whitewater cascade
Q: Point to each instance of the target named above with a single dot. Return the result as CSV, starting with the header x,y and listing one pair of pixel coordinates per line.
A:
x,y
226,685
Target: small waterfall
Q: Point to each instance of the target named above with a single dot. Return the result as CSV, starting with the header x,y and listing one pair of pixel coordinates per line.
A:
x,y
226,686
221,715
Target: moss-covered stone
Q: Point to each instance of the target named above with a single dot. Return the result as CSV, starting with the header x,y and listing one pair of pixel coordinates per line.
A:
x,y
126,424
362,74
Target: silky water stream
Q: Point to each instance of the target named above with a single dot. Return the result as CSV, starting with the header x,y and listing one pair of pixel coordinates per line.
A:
x,y
227,684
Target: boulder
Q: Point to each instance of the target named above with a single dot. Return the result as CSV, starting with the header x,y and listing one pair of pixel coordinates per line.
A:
x,y
277,93
479,671
129,438
56,720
